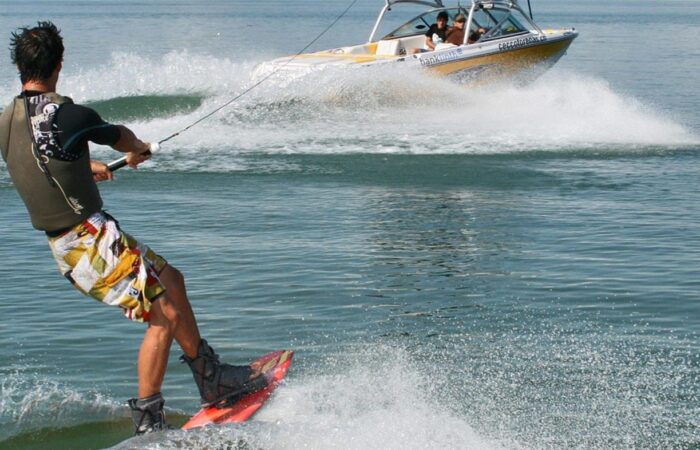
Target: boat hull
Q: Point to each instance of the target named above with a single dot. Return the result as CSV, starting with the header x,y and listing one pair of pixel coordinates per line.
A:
x,y
500,61
525,57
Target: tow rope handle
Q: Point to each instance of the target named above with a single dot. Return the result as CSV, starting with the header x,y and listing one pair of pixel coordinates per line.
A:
x,y
121,162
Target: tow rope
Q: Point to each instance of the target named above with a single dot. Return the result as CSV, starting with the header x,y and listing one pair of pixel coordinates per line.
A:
x,y
121,162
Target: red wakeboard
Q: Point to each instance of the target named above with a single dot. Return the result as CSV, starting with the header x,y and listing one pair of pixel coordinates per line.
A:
x,y
274,367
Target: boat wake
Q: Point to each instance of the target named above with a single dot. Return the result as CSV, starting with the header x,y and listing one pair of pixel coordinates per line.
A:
x,y
363,111
343,405
491,390
335,402
30,402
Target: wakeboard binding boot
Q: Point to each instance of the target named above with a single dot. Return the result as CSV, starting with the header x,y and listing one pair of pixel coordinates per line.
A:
x,y
221,385
147,414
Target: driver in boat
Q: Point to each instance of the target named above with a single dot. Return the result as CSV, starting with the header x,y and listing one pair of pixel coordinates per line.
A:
x,y
476,35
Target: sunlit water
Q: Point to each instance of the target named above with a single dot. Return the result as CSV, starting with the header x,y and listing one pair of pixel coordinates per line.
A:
x,y
500,266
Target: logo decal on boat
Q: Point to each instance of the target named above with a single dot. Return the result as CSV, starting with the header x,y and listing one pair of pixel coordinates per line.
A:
x,y
441,57
522,42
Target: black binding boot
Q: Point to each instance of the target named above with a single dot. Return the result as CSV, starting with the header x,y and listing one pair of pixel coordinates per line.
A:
x,y
221,384
148,414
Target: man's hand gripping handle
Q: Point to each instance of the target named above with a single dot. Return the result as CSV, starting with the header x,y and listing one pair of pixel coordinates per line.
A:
x,y
121,162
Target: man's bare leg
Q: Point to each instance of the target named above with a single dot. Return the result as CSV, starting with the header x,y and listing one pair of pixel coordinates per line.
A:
x,y
171,317
186,332
154,352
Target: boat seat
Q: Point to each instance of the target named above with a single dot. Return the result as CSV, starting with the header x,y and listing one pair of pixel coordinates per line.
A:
x,y
363,49
391,47
413,42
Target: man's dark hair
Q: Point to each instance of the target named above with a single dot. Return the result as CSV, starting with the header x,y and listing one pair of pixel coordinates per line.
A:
x,y
37,51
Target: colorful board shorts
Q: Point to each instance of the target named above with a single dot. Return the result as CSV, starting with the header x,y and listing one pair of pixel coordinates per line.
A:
x,y
109,265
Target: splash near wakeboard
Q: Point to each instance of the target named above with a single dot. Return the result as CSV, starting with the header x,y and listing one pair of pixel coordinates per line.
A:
x,y
274,368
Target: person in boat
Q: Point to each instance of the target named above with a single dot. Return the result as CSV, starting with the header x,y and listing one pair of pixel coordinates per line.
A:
x,y
44,142
437,33
455,34
475,35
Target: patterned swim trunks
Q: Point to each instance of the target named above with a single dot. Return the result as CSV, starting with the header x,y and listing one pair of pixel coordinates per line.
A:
x,y
109,265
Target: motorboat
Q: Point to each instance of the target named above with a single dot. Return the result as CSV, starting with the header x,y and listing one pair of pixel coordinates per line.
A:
x,y
500,39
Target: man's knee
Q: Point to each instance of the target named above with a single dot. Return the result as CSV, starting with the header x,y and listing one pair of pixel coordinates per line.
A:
x,y
171,277
165,313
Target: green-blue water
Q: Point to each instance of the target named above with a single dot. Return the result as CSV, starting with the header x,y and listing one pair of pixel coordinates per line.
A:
x,y
500,267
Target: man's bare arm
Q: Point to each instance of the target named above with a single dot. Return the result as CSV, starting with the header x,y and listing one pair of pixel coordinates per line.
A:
x,y
137,151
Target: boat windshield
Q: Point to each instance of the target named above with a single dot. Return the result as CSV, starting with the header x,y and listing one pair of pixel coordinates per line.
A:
x,y
498,20
420,24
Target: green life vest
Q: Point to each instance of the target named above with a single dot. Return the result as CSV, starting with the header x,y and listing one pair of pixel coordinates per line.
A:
x,y
58,194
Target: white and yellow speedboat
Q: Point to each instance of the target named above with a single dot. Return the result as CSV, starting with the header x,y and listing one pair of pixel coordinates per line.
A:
x,y
511,44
